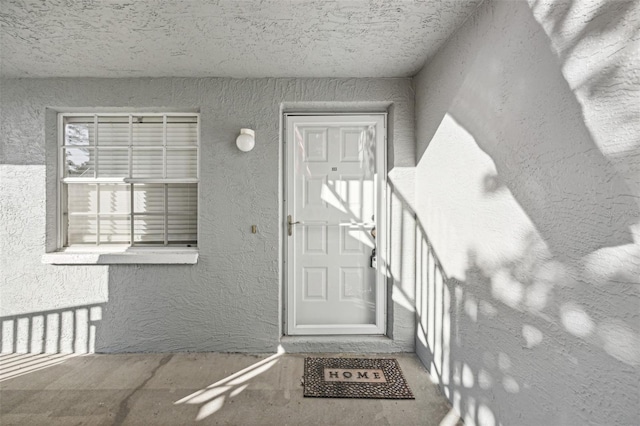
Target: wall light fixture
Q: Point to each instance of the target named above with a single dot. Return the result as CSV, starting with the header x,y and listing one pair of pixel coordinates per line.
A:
x,y
246,140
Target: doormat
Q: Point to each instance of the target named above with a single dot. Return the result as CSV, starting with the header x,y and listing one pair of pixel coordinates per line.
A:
x,y
354,378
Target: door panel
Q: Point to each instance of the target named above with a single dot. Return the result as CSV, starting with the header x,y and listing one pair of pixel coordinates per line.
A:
x,y
333,187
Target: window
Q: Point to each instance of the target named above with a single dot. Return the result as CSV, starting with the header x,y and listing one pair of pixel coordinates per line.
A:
x,y
128,179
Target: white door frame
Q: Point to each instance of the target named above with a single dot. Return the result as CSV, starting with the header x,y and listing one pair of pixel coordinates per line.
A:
x,y
382,249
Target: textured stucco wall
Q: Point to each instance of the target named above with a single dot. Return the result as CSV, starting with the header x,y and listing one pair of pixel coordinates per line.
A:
x,y
230,300
224,38
528,198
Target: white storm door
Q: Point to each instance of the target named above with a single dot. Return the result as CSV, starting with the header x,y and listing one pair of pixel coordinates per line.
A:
x,y
335,180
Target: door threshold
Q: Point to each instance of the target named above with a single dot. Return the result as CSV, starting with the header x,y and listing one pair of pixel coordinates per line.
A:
x,y
341,344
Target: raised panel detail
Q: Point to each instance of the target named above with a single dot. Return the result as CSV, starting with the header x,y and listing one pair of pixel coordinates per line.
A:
x,y
350,146
350,242
315,145
313,191
315,284
349,190
352,283
315,239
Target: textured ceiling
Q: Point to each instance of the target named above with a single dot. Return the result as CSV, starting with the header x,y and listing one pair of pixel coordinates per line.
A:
x,y
197,38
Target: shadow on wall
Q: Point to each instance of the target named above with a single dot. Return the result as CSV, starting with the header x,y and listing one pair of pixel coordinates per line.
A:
x,y
536,321
523,114
532,345
67,330
150,308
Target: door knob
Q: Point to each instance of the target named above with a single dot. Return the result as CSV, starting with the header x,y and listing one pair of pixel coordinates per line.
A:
x,y
290,224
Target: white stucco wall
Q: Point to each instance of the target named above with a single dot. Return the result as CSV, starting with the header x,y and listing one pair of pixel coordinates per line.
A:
x,y
527,199
300,38
230,300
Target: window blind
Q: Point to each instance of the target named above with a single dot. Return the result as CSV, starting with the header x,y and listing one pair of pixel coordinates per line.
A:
x,y
130,179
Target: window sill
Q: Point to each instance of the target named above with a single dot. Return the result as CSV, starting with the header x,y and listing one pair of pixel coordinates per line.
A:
x,y
122,256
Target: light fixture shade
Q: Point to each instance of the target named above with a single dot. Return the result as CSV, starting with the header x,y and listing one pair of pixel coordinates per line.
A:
x,y
246,140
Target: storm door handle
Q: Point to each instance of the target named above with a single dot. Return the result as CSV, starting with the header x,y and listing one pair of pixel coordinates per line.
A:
x,y
290,224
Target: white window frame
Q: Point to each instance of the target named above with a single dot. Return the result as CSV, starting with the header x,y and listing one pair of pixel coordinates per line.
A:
x,y
119,253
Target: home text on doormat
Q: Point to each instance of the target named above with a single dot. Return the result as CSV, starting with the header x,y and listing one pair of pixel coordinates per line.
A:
x,y
354,378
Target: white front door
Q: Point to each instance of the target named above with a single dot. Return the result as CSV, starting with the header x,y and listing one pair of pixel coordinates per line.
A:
x,y
335,184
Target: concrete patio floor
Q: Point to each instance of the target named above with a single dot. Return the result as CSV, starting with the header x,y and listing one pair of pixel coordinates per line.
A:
x,y
196,388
